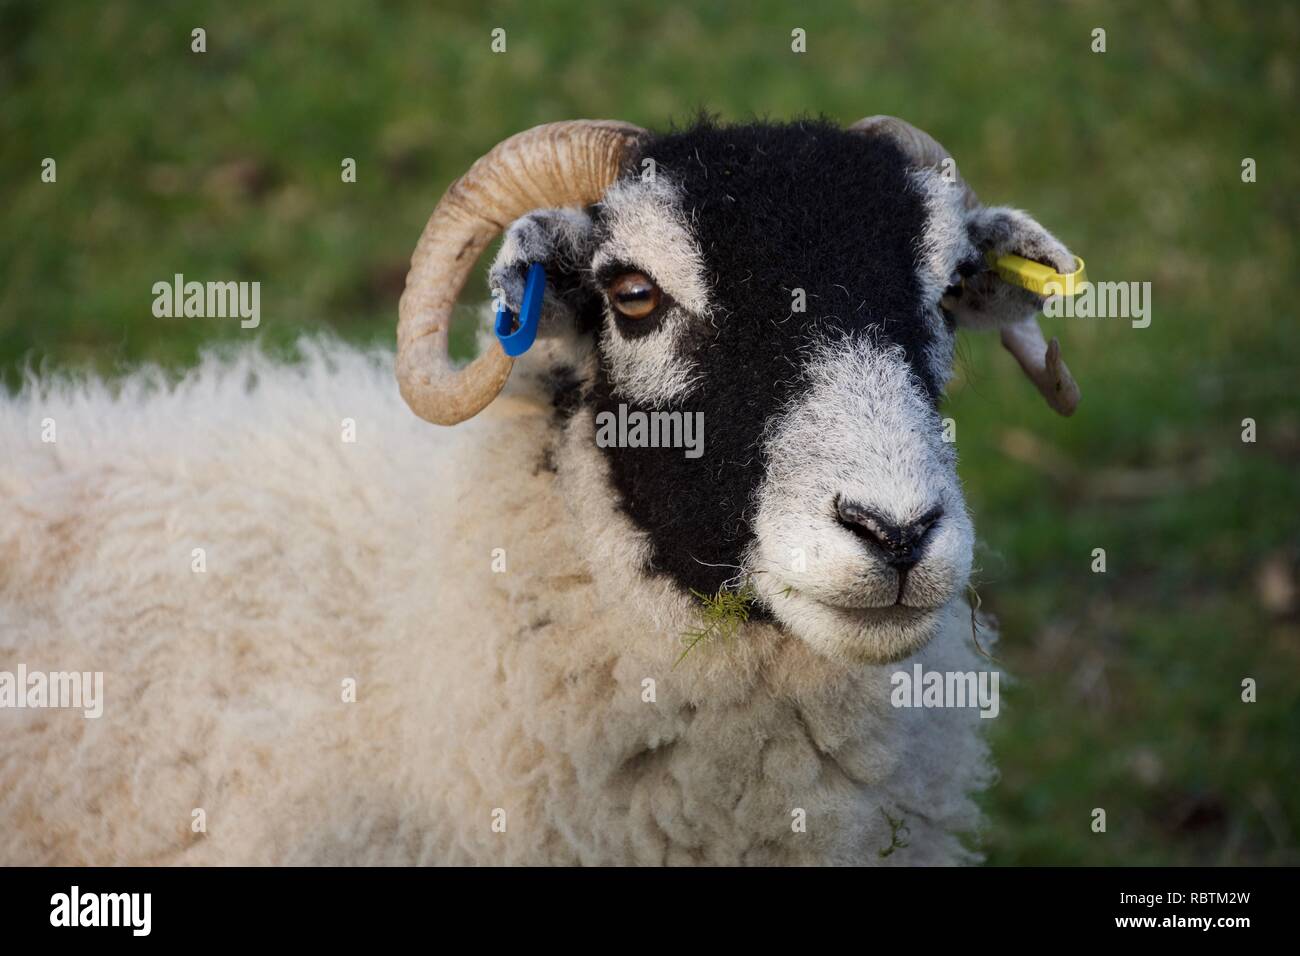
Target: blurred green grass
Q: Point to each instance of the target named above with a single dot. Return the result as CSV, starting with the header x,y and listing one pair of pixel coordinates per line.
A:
x,y
226,165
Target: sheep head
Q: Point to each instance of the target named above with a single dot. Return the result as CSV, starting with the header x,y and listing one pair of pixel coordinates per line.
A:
x,y
798,288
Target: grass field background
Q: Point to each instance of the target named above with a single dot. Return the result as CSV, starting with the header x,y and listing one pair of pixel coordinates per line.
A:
x,y
226,165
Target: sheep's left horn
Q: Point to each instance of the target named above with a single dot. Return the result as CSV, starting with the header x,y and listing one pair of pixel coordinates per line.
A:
x,y
558,164
919,146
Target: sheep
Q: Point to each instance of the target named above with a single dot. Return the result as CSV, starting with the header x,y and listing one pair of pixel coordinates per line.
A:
x,y
333,634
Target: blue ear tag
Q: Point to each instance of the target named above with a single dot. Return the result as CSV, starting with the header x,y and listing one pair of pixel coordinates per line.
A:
x,y
516,339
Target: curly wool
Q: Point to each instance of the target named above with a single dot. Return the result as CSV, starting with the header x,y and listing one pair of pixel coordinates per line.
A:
x,y
525,715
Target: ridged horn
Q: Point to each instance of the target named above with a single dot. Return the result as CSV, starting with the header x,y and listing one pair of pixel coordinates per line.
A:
x,y
569,163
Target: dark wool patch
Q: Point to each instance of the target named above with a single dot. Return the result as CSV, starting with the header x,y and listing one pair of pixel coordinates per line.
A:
x,y
566,388
773,207
566,392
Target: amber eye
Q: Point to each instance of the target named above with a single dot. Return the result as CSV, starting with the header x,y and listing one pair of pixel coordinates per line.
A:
x,y
633,295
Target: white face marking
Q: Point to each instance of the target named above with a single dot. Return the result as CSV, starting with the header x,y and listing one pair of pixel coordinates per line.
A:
x,y
946,242
865,431
944,246
649,370
645,229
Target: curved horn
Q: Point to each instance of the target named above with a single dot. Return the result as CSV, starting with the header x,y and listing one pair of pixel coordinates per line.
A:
x,y
919,146
557,164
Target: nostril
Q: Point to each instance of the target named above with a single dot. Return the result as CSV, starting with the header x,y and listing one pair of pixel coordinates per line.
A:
x,y
902,544
866,523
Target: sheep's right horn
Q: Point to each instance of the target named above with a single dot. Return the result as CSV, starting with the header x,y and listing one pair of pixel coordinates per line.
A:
x,y
558,164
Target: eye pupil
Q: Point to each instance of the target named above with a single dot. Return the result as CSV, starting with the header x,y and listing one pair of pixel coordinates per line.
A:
x,y
633,295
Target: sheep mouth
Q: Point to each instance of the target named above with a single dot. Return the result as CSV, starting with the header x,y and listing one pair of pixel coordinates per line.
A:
x,y
878,615
870,634
863,607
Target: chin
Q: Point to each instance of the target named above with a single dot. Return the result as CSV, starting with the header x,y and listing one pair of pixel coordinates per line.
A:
x,y
863,635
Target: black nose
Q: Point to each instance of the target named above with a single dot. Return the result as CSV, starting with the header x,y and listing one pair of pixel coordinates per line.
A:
x,y
901,544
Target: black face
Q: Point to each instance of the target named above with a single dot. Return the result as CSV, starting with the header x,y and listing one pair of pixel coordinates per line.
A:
x,y
773,208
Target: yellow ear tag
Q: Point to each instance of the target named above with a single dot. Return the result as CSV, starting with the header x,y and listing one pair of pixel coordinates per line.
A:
x,y
1036,277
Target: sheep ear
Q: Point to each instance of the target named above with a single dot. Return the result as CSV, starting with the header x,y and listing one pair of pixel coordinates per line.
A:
x,y
562,241
984,301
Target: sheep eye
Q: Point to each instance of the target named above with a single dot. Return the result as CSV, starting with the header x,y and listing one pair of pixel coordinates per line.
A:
x,y
633,295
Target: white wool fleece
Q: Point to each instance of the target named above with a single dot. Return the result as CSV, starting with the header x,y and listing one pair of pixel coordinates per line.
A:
x,y
519,716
